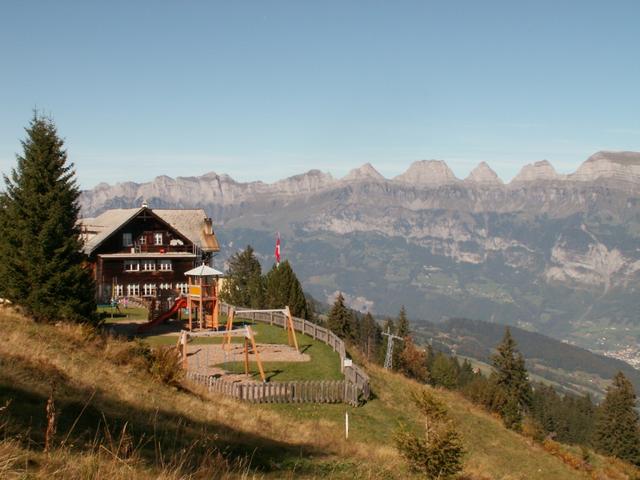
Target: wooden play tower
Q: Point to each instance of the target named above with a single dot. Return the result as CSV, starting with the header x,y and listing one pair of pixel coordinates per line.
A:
x,y
202,297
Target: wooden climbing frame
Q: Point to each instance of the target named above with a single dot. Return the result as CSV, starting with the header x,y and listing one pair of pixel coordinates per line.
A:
x,y
249,340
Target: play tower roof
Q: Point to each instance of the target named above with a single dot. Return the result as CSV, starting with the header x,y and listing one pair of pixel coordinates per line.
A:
x,y
203,271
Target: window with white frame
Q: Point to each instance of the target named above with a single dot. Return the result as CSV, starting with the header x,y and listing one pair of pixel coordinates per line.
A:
x,y
165,286
142,240
148,265
133,290
165,265
157,237
149,290
127,239
118,291
131,266
182,287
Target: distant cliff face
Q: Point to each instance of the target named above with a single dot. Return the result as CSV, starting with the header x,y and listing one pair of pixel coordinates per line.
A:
x,y
549,252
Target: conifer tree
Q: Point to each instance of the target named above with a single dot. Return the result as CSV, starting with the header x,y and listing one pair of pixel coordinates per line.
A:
x,y
444,371
466,373
340,320
402,325
370,336
282,288
512,382
439,452
243,285
618,428
42,267
402,330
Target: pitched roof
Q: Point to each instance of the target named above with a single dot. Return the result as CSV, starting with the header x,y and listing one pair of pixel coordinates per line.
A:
x,y
189,223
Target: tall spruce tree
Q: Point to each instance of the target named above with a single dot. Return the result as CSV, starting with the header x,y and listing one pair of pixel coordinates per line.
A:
x,y
512,382
244,284
402,330
42,267
283,288
402,325
370,336
340,319
618,428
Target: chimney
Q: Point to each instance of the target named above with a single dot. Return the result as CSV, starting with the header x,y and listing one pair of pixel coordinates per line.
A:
x,y
208,226
145,204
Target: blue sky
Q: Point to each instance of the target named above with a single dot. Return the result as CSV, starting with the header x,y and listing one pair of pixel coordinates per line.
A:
x,y
263,90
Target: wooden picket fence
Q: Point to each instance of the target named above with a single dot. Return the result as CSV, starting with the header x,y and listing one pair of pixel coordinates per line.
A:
x,y
314,391
353,390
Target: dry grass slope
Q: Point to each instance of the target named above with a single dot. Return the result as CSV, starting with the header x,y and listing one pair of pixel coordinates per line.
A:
x,y
116,421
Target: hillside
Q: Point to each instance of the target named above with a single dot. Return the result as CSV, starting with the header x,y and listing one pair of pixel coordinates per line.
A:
x,y
116,421
547,252
574,368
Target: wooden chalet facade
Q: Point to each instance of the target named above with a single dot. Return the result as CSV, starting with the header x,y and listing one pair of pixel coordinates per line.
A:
x,y
143,253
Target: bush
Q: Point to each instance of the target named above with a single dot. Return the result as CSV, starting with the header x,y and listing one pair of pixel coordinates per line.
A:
x,y
533,430
165,366
135,353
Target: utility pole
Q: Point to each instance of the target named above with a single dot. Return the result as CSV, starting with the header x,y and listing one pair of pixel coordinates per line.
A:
x,y
388,359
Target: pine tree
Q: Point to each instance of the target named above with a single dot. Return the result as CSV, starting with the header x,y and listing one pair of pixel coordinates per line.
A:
x,y
243,285
618,428
402,330
402,325
439,453
512,382
340,320
444,372
370,336
466,373
42,267
283,288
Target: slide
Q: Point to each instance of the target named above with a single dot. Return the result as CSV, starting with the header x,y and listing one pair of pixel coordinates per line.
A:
x,y
177,305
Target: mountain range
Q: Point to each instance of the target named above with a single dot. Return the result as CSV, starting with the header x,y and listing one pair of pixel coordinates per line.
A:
x,y
548,252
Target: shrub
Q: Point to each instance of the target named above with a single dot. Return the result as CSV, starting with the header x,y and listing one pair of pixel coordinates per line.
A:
x,y
165,366
533,430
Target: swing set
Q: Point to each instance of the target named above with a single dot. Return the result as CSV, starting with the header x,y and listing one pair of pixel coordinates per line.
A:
x,y
244,331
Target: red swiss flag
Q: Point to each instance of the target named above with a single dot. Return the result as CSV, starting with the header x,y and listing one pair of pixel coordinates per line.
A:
x,y
277,251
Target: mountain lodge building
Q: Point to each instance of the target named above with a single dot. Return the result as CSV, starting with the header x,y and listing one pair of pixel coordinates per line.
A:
x,y
140,252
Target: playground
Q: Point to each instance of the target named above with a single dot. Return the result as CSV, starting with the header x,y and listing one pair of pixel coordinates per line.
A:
x,y
206,354
256,355
227,344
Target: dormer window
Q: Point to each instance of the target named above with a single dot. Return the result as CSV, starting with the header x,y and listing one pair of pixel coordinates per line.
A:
x,y
157,237
127,240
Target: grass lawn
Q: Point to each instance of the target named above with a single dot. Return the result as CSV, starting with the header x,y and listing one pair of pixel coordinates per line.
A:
x,y
116,420
125,314
324,364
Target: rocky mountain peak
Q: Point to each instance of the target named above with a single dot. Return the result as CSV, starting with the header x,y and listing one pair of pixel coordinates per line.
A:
x,y
620,166
311,181
428,172
483,174
365,172
541,170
